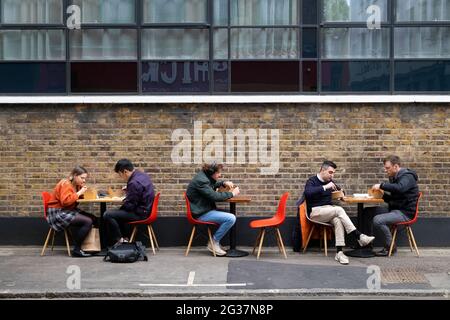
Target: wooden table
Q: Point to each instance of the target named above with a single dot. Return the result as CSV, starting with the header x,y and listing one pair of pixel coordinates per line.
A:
x,y
365,252
103,201
233,252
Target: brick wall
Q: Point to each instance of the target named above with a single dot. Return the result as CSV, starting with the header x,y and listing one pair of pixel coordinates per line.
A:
x,y
41,143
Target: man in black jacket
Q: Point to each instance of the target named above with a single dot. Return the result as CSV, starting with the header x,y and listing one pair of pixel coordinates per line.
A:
x,y
203,196
400,193
319,205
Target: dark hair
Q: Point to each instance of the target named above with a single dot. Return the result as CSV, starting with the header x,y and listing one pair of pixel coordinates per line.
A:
x,y
392,159
326,164
123,164
212,168
77,171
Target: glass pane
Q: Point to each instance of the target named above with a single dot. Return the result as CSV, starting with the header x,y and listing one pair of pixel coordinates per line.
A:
x,y
115,11
357,76
309,76
32,11
220,76
221,12
355,43
423,10
170,44
352,10
422,42
265,43
103,44
189,76
175,11
422,75
32,45
260,76
32,77
263,12
104,77
310,43
221,44
309,11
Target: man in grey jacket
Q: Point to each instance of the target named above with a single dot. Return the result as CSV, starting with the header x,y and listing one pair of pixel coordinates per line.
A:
x,y
400,193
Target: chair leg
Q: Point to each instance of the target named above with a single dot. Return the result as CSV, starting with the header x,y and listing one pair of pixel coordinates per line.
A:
x,y
281,242
210,240
309,238
151,239
154,237
261,242
325,241
257,240
190,241
278,242
67,243
409,240
133,234
394,237
46,241
53,240
414,241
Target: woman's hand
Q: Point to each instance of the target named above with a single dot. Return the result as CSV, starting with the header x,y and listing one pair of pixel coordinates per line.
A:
x,y
82,190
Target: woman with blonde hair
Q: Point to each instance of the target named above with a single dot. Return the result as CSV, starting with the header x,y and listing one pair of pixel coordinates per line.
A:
x,y
62,209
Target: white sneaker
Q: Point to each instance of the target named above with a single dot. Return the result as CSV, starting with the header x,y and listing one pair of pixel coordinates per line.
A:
x,y
365,240
341,258
216,247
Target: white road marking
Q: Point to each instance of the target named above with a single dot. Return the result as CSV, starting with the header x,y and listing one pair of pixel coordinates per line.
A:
x,y
190,283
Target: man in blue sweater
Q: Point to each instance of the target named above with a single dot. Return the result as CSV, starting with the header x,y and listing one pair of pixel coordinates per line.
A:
x,y
318,191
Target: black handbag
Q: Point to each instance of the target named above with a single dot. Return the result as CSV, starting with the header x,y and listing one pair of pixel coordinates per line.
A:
x,y
126,252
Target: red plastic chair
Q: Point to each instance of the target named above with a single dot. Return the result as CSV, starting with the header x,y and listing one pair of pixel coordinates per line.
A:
x,y
407,224
273,222
148,222
51,233
195,222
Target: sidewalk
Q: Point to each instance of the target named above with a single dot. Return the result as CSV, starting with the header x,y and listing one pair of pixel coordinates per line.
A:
x,y
169,274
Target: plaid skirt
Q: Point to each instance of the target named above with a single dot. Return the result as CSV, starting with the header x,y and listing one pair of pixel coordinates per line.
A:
x,y
59,219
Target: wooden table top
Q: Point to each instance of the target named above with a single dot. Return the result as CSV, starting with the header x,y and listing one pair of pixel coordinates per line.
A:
x,y
239,199
362,200
103,199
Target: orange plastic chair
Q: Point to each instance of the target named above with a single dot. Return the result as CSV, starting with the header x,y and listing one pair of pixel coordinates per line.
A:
x,y
148,222
51,233
273,222
407,224
195,222
312,226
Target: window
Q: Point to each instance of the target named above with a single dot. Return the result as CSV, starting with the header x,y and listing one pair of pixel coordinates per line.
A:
x,y
32,11
113,11
263,12
352,10
172,44
351,43
103,44
32,45
422,42
175,11
422,10
422,76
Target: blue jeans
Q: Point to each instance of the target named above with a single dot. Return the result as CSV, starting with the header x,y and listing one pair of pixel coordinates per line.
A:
x,y
224,219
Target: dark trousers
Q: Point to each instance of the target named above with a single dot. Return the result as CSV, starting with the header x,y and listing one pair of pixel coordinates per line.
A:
x,y
116,221
81,225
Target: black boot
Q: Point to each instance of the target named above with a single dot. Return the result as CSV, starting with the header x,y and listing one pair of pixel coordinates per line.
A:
x,y
78,253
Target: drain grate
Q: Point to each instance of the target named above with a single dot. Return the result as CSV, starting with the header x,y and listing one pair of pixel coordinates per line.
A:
x,y
402,275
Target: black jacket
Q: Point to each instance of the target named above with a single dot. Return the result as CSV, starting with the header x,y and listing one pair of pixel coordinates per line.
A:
x,y
202,195
402,192
140,194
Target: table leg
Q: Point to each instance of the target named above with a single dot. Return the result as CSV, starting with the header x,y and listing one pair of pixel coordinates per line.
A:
x,y
101,226
361,252
233,252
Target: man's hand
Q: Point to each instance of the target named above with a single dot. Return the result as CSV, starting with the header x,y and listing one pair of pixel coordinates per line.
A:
x,y
330,185
236,192
82,190
376,186
228,184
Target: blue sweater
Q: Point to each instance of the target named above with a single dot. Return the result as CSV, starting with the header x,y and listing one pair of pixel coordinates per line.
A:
x,y
315,196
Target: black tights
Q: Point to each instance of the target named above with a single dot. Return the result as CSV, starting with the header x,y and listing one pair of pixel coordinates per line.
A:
x,y
81,225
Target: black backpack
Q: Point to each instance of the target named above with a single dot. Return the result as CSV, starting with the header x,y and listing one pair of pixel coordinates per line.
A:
x,y
126,252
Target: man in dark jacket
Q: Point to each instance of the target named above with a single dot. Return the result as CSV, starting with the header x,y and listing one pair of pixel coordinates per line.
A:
x,y
137,203
203,196
400,193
